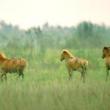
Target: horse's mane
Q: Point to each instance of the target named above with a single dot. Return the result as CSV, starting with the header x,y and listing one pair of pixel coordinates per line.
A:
x,y
67,52
2,56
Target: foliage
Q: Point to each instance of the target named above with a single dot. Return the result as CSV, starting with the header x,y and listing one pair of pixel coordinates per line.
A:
x,y
85,34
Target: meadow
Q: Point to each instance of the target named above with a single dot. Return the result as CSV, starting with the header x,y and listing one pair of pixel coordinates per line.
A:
x,y
46,85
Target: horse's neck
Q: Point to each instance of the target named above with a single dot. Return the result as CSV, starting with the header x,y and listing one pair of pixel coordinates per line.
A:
x,y
69,57
107,56
2,60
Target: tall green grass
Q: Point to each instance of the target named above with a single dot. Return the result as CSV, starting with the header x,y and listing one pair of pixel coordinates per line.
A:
x,y
46,85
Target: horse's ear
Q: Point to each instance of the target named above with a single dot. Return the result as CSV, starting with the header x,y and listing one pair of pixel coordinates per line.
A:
x,y
105,48
64,51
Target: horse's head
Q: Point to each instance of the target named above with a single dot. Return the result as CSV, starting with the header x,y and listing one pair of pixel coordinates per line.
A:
x,y
106,52
65,54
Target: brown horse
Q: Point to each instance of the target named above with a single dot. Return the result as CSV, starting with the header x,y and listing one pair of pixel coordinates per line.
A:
x,y
106,55
13,65
74,63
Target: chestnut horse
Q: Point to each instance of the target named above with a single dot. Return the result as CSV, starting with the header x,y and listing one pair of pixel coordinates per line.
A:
x,y
74,64
106,56
11,65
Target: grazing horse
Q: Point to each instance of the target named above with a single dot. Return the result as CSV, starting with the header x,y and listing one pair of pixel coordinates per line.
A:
x,y
74,63
11,65
106,56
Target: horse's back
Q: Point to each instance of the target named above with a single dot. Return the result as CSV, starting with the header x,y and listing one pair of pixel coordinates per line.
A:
x,y
13,64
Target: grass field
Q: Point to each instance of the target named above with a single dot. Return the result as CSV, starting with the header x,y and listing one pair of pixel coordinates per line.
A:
x,y
46,85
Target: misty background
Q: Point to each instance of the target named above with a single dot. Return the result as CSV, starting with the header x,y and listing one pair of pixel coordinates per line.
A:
x,y
40,39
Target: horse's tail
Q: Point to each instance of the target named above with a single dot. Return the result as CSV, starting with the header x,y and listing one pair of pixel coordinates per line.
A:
x,y
86,63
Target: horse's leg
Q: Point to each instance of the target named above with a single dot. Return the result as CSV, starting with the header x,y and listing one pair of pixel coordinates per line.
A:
x,y
21,74
107,74
70,73
1,77
5,76
84,76
81,75
83,72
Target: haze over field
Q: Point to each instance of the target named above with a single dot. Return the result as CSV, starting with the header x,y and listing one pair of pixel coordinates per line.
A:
x,y
44,28
28,13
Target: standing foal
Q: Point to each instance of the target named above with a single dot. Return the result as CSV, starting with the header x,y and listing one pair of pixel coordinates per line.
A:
x,y
74,64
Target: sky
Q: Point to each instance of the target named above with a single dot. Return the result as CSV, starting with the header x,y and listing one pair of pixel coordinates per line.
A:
x,y
30,13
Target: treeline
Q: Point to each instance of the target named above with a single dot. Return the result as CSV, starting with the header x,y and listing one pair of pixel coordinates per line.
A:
x,y
84,35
